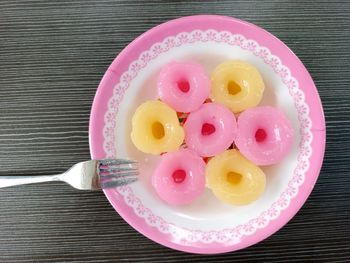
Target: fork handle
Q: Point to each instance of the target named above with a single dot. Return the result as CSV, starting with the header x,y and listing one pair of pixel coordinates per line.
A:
x,y
6,181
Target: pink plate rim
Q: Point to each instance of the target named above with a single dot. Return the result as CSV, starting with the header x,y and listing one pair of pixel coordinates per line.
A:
x,y
220,23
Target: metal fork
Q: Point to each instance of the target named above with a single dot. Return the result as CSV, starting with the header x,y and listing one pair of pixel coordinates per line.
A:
x,y
89,175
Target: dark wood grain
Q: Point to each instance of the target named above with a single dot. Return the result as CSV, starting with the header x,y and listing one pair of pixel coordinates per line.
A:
x,y
52,57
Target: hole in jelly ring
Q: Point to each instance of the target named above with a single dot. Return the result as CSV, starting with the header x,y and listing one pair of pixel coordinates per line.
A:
x,y
233,88
207,129
158,130
179,176
183,85
260,135
234,178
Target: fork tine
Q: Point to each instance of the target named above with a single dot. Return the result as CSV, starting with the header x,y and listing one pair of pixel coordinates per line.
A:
x,y
116,169
107,162
112,177
116,183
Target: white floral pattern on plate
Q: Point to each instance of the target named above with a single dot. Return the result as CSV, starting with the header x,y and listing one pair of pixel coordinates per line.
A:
x,y
233,235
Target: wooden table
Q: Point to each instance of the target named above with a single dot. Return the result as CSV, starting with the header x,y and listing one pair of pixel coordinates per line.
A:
x,y
52,57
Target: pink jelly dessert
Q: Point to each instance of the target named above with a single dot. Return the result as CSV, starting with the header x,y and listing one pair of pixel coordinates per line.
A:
x,y
210,130
183,85
265,135
180,177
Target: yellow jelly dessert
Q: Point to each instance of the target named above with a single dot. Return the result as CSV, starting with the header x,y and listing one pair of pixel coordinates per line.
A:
x,y
237,85
156,128
233,179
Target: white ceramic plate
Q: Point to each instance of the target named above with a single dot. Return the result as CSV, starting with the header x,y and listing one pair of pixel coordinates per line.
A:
x,y
207,225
